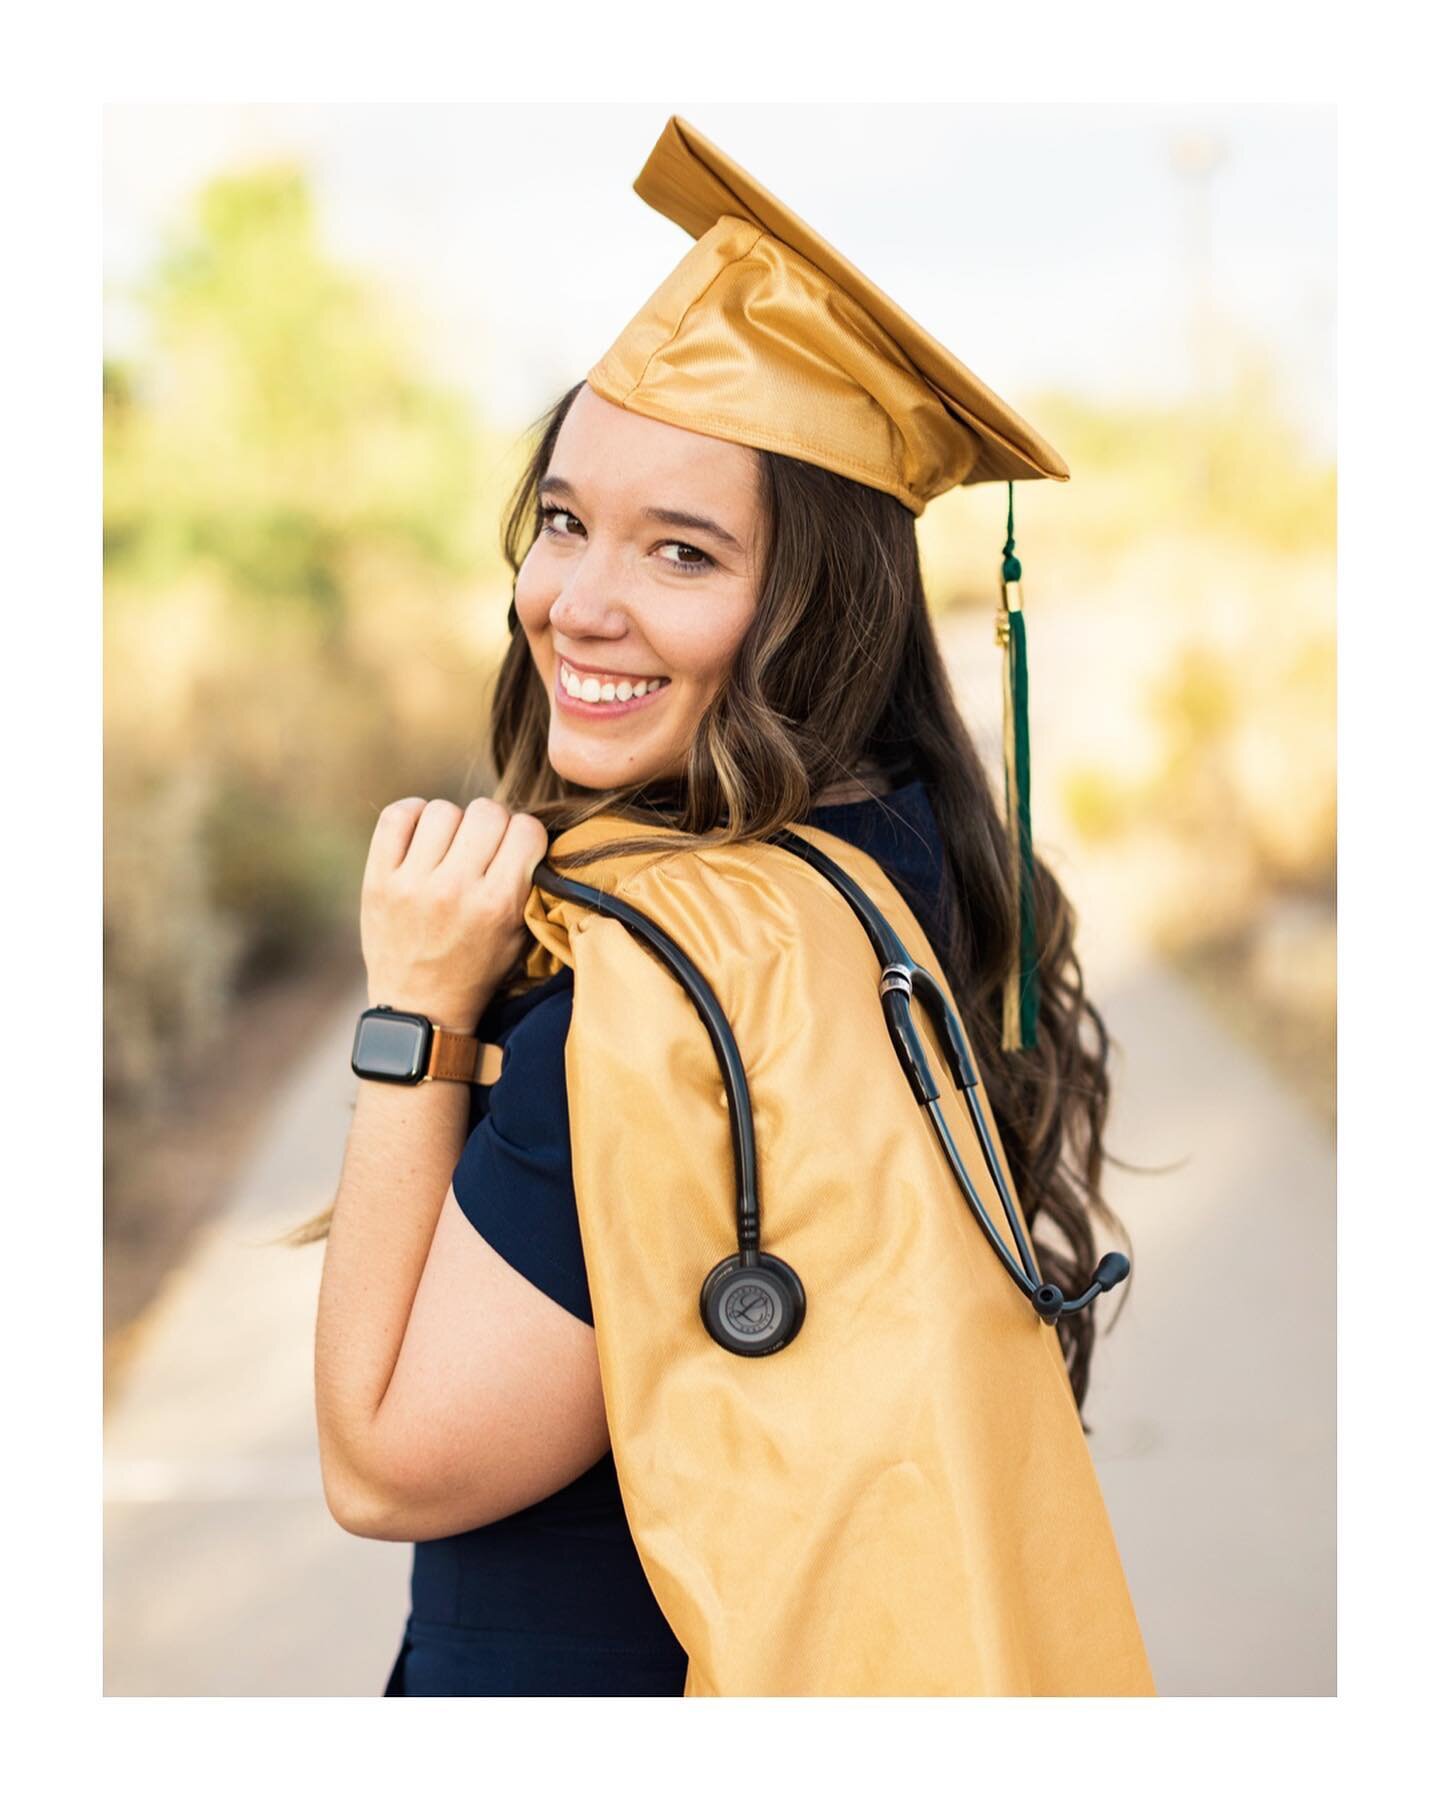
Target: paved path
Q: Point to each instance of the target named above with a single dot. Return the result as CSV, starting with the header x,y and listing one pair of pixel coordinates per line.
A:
x,y
224,1572
1213,1402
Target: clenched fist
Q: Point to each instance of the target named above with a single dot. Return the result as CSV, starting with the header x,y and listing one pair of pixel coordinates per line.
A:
x,y
442,905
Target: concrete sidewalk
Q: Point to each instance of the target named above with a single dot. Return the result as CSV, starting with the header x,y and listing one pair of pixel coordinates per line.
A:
x,y
224,1572
1213,1402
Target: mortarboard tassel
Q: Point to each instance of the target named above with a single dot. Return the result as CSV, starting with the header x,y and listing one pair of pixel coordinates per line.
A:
x,y
1021,1005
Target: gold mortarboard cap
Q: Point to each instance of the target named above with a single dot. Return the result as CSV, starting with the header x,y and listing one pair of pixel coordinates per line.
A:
x,y
765,335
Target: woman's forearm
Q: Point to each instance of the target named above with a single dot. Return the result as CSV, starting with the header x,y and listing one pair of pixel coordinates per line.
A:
x,y
442,924
402,1149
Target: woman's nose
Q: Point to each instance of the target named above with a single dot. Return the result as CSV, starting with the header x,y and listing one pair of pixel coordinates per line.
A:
x,y
591,601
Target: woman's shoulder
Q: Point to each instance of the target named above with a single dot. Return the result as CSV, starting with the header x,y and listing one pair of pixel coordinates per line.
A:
x,y
902,833
540,1006
896,827
526,1100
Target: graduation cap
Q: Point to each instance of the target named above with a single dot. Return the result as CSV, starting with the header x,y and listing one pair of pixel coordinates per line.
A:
x,y
766,335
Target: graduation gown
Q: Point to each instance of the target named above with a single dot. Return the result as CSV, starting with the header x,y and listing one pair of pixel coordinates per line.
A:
x,y
901,1501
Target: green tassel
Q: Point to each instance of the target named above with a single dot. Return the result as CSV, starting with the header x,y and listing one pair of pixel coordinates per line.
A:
x,y
1020,690
1022,996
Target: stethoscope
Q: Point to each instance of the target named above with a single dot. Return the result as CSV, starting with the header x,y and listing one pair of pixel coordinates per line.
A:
x,y
753,1303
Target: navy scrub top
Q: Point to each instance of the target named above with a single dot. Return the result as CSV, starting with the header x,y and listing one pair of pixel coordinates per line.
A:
x,y
554,1599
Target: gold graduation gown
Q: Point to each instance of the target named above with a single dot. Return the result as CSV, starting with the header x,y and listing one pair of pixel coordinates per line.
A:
x,y
901,1501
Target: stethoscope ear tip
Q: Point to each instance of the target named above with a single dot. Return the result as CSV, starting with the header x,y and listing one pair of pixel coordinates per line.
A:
x,y
1047,1301
1112,1270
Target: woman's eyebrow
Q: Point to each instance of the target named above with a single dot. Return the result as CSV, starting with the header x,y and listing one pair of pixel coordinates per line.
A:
x,y
662,515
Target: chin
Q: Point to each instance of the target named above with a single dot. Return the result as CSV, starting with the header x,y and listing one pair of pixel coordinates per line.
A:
x,y
582,772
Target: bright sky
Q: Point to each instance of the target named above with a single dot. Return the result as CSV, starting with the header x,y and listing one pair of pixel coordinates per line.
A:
x,y
1044,244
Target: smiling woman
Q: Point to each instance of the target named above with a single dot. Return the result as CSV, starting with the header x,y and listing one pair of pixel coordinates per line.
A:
x,y
605,592
746,551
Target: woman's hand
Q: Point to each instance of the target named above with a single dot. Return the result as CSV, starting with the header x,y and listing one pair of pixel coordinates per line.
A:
x,y
442,905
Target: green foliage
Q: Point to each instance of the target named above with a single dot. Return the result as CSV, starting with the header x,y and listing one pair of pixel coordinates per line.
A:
x,y
1235,470
297,524
286,876
1097,803
279,424
1235,466
1196,704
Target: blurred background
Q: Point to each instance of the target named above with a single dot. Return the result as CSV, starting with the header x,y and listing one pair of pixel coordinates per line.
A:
x,y
327,331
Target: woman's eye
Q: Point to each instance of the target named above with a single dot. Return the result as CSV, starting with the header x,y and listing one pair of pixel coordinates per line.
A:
x,y
703,561
556,521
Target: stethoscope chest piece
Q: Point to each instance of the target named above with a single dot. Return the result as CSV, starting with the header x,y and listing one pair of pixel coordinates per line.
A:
x,y
752,1307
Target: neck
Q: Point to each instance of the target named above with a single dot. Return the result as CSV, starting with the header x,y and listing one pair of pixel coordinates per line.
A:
x,y
869,779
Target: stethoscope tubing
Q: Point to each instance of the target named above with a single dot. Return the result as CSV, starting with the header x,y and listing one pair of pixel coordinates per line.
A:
x,y
722,1038
902,979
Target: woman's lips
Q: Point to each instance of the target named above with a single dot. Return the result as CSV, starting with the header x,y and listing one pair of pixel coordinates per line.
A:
x,y
607,709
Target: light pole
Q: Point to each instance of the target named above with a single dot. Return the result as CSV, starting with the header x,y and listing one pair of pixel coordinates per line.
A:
x,y
1195,156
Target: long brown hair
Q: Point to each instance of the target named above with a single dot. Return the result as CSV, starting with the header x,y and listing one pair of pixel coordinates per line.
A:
x,y
840,673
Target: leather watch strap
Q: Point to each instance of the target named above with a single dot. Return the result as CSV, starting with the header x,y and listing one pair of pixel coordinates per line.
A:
x,y
455,1057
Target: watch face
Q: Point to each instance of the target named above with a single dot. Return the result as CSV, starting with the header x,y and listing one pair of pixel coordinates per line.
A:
x,y
391,1046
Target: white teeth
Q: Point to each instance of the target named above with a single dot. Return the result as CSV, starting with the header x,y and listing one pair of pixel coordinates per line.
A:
x,y
592,688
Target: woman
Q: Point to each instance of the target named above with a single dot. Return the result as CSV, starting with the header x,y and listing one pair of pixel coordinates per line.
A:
x,y
789,672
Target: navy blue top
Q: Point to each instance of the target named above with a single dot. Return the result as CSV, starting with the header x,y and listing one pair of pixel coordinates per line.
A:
x,y
554,1598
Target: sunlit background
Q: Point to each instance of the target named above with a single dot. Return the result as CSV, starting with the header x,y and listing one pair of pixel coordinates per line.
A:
x,y
327,330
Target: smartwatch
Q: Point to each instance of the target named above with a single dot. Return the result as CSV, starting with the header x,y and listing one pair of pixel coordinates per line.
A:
x,y
408,1048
